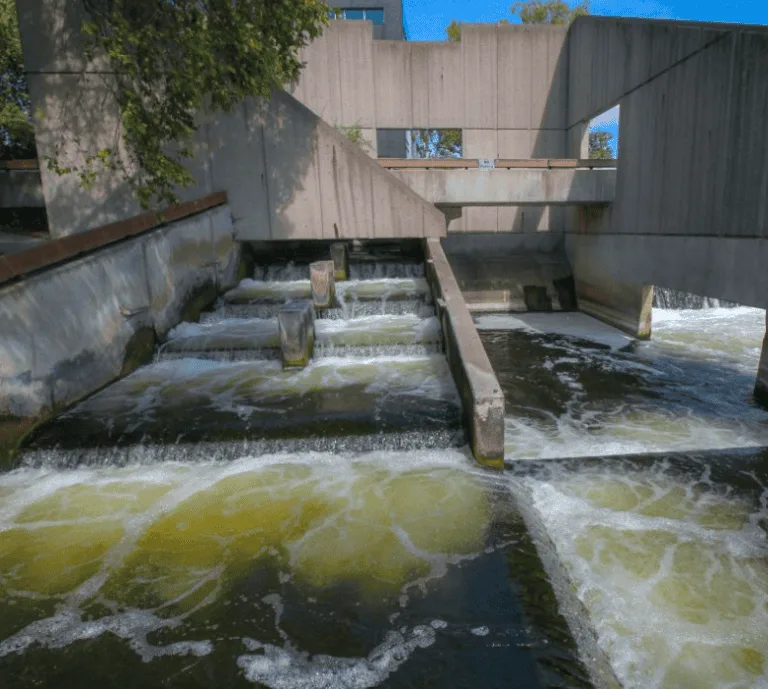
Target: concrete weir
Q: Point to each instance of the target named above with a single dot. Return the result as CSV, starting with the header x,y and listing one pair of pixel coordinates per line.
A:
x,y
761,386
480,391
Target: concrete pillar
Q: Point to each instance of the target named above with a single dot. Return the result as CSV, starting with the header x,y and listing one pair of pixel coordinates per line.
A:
x,y
296,324
340,258
761,386
321,279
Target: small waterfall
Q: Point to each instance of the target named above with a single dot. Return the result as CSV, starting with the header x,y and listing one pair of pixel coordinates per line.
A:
x,y
665,298
358,270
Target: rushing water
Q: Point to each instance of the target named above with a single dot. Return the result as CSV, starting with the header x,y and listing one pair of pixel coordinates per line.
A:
x,y
285,571
213,520
666,554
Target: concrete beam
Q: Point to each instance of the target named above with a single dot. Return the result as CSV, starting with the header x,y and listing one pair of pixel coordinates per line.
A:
x,y
480,391
515,187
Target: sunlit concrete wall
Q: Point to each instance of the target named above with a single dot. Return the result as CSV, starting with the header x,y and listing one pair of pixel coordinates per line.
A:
x,y
288,174
691,205
505,86
71,329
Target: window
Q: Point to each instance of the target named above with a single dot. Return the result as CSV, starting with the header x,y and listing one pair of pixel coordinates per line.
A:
x,y
374,15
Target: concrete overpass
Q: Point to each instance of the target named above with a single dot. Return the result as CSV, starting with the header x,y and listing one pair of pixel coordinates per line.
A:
x,y
462,182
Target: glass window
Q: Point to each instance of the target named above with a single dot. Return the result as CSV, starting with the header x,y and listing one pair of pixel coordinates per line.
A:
x,y
376,16
354,14
331,14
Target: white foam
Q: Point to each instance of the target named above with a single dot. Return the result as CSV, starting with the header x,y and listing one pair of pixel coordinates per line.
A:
x,y
286,668
481,631
631,543
576,325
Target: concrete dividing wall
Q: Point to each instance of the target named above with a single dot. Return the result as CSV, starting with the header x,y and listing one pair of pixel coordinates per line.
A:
x,y
761,385
481,395
691,206
288,174
505,86
71,329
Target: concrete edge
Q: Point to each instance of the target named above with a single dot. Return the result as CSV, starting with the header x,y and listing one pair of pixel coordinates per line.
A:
x,y
481,395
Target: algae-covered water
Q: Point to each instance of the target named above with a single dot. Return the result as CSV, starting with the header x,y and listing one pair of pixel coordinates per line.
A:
x,y
284,571
148,539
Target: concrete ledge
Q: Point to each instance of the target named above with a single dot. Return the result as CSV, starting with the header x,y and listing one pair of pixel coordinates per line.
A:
x,y
68,248
513,186
71,329
481,395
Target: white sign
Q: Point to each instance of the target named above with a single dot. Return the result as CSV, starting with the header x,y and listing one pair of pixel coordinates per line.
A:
x,y
486,164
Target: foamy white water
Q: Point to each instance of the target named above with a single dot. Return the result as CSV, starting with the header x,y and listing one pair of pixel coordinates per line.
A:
x,y
671,569
693,386
159,543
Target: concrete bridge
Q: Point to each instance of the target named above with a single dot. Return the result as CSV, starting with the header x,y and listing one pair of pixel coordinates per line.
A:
x,y
685,208
463,182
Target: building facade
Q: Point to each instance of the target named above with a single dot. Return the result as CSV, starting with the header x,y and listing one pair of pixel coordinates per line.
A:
x,y
385,15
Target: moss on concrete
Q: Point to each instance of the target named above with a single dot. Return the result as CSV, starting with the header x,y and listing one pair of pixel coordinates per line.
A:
x,y
14,431
139,350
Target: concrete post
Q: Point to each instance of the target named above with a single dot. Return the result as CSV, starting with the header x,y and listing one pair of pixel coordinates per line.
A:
x,y
321,279
340,257
761,386
296,324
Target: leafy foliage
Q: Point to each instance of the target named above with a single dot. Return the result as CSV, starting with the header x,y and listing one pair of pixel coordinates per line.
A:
x,y
173,58
600,145
355,135
17,138
436,143
548,11
453,31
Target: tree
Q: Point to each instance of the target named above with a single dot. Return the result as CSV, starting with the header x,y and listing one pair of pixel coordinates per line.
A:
x,y
436,143
453,31
17,139
600,145
548,11
172,58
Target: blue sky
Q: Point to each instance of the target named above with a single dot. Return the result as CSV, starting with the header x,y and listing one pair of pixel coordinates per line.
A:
x,y
425,20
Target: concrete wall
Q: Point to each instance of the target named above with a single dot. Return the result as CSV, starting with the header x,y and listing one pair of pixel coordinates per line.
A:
x,y
691,208
481,396
505,86
71,329
288,174
21,189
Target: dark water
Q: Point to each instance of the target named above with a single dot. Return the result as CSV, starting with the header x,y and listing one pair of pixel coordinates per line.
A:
x,y
334,573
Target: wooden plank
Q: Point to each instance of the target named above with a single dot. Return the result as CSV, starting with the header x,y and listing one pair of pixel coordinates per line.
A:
x,y
563,163
68,248
19,165
522,163
426,163
597,162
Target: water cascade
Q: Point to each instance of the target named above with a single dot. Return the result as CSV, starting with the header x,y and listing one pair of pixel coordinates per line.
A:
x,y
215,520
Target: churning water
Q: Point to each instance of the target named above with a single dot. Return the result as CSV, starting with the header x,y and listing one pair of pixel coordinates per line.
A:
x,y
212,520
664,554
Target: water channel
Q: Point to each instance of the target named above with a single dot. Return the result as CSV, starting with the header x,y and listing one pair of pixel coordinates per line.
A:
x,y
212,520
